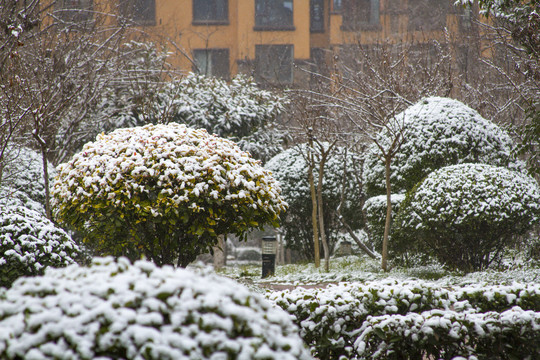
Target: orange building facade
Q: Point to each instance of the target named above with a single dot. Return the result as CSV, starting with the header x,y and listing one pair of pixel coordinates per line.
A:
x,y
271,39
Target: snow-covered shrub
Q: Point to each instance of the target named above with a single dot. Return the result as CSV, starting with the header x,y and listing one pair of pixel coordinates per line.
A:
x,y
437,132
512,334
29,243
24,172
115,310
375,210
465,214
334,321
238,111
290,168
163,191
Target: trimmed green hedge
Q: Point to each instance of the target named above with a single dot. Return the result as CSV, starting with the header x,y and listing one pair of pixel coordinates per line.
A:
x,y
350,321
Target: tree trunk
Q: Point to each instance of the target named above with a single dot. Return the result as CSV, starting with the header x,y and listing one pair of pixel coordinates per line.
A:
x,y
321,214
43,148
220,253
384,261
317,254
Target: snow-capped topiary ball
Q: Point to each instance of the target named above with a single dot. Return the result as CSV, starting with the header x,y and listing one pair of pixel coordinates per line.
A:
x,y
115,310
464,214
29,243
437,132
163,191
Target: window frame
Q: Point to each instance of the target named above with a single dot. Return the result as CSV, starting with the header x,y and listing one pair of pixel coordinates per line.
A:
x,y
277,26
266,50
373,23
65,14
129,9
211,52
210,21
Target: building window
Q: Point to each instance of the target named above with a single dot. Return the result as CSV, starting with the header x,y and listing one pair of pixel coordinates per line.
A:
x,y
428,14
142,12
337,5
211,11
212,62
74,10
274,64
317,16
360,14
274,15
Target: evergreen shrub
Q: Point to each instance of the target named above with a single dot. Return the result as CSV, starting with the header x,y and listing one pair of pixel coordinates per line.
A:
x,y
116,310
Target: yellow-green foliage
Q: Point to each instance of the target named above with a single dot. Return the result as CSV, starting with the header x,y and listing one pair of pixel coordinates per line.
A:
x,y
165,191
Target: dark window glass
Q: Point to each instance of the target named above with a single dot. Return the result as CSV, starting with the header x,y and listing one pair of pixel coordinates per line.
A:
x,y
317,16
74,10
210,11
274,63
274,14
428,14
359,14
337,5
142,12
212,62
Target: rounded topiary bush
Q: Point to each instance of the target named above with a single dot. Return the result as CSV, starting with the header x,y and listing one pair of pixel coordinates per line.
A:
x,y
290,168
465,214
437,132
29,243
163,191
115,310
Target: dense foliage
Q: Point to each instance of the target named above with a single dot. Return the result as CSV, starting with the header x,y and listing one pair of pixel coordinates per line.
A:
x,y
290,168
437,132
413,320
30,243
115,310
238,111
466,214
163,191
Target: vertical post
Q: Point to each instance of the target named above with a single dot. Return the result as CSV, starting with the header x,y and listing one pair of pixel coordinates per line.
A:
x,y
269,247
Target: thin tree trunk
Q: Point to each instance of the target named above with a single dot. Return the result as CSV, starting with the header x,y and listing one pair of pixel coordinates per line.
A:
x,y
384,262
314,207
43,148
321,214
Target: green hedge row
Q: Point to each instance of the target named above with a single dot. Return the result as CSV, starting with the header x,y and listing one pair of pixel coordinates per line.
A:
x,y
333,320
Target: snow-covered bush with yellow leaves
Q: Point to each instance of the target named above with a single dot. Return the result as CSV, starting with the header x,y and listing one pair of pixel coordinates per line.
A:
x,y
163,191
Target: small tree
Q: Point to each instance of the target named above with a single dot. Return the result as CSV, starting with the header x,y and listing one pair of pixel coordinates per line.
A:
x,y
29,243
465,214
163,191
291,169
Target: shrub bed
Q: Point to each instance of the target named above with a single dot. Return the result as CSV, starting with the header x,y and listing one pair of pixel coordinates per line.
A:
x,y
335,321
115,310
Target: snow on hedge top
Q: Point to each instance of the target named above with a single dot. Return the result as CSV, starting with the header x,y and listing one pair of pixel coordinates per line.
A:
x,y
462,194
29,242
115,310
170,163
438,132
